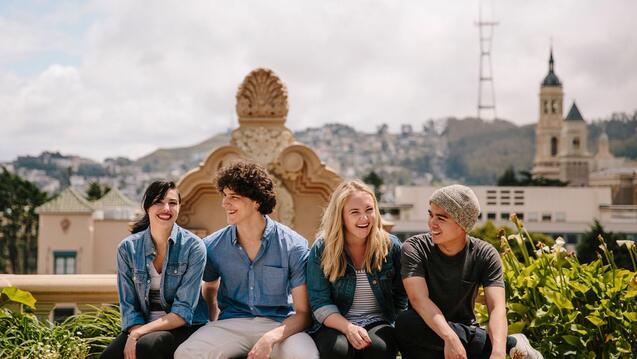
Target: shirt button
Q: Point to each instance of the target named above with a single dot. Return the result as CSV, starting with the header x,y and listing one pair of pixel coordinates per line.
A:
x,y
148,281
374,281
251,287
175,271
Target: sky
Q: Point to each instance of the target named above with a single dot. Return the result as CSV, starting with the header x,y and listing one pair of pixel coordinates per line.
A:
x,y
109,78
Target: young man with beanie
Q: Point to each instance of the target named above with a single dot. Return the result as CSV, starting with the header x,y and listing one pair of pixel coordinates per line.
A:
x,y
442,271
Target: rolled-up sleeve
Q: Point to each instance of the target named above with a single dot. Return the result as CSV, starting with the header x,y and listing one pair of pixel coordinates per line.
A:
x,y
129,305
298,260
318,287
187,294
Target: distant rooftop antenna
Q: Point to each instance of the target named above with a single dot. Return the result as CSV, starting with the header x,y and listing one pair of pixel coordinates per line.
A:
x,y
486,91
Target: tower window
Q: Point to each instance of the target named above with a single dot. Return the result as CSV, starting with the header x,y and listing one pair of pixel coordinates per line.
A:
x,y
553,146
553,106
576,143
546,106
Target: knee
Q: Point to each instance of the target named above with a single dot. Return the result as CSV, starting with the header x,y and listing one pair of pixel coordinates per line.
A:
x,y
155,345
339,348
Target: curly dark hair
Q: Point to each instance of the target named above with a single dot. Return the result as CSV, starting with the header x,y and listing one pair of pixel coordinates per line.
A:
x,y
249,180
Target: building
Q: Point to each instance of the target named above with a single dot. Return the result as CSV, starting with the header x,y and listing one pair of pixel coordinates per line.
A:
x,y
557,211
81,237
562,151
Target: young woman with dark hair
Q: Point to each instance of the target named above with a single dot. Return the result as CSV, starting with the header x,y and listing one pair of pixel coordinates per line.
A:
x,y
159,271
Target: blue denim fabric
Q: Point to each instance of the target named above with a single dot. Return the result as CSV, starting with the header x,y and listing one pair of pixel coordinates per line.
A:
x,y
180,288
328,298
260,288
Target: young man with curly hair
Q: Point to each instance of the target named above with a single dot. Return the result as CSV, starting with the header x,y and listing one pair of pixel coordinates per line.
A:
x,y
253,265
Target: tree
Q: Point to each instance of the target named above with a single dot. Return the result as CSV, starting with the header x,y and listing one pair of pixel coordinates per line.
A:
x,y
375,181
508,178
19,223
96,191
588,247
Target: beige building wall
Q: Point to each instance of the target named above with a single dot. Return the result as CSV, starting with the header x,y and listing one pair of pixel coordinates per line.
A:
x,y
65,232
108,235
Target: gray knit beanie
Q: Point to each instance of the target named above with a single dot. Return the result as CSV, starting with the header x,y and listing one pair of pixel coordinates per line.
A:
x,y
461,204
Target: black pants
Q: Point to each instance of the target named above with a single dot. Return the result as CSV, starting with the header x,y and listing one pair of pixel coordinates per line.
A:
x,y
333,344
161,344
417,340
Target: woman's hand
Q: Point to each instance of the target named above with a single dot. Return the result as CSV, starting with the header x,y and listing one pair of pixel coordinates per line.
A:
x,y
357,336
131,346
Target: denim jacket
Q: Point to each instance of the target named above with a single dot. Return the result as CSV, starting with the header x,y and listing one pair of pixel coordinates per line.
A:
x,y
180,288
328,298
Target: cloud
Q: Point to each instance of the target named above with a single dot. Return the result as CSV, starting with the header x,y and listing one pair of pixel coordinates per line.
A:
x,y
147,74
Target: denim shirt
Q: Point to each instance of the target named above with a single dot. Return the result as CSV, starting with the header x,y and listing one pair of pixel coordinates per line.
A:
x,y
180,288
262,287
328,298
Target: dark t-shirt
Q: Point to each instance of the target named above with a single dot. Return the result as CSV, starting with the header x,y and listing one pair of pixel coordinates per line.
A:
x,y
453,281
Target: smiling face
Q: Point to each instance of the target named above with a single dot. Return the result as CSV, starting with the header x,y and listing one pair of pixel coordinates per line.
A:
x,y
238,208
359,215
444,229
164,212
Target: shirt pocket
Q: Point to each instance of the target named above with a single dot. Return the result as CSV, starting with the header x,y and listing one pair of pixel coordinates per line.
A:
x,y
176,269
141,282
275,281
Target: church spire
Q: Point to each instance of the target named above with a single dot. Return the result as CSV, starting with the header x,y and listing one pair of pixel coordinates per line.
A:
x,y
551,78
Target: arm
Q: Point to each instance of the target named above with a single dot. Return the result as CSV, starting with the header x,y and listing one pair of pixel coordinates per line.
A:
x,y
129,305
187,294
297,322
497,327
398,289
293,324
418,294
209,291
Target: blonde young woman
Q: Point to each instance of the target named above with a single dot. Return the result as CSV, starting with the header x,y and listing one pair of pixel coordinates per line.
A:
x,y
353,278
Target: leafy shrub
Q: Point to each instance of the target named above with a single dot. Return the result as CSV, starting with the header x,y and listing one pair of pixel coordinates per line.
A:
x,y
84,335
569,309
98,328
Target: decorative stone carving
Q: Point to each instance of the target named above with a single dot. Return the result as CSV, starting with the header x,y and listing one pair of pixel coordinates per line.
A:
x,y
284,203
262,94
262,144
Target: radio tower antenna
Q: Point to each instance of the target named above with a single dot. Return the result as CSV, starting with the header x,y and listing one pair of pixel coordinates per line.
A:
x,y
486,91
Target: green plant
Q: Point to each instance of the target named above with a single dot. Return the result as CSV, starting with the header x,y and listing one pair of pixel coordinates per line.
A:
x,y
569,309
84,335
98,328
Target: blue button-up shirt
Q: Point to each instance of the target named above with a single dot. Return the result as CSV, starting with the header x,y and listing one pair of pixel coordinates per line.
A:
x,y
259,288
180,288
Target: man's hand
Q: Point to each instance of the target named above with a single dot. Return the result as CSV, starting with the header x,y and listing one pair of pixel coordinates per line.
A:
x,y
454,349
357,336
262,348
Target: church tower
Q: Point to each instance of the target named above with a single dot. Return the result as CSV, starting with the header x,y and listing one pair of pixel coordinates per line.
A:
x,y
549,126
574,155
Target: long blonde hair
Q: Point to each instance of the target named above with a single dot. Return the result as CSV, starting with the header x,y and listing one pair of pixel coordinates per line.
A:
x,y
333,259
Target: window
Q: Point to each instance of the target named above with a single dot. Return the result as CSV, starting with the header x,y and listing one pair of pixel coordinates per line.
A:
x,y
546,217
532,216
576,143
491,216
553,146
504,216
560,217
64,262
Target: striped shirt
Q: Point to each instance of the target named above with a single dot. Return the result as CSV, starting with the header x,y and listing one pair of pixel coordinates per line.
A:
x,y
365,309
156,310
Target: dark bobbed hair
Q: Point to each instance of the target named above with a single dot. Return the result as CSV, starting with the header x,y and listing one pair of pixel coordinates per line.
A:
x,y
155,193
249,180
